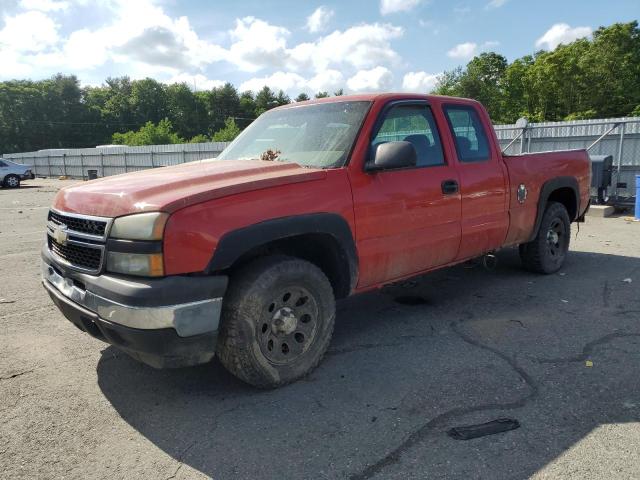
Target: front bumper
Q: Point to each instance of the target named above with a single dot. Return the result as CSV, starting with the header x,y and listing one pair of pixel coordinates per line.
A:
x,y
27,176
167,322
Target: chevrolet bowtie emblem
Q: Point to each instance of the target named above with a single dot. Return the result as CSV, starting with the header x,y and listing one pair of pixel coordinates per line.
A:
x,y
60,234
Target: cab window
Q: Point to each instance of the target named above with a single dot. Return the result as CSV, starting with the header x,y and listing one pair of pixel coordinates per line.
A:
x,y
472,144
414,124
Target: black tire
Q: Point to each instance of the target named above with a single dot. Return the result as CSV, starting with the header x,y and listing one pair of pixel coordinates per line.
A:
x,y
11,181
264,338
547,252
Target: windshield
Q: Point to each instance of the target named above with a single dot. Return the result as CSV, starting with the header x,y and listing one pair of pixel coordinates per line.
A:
x,y
318,135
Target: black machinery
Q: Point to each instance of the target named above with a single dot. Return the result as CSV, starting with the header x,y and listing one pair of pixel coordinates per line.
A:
x,y
601,173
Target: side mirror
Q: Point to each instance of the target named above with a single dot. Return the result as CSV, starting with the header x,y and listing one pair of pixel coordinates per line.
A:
x,y
392,155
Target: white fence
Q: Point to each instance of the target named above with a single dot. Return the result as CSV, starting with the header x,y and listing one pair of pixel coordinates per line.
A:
x,y
112,160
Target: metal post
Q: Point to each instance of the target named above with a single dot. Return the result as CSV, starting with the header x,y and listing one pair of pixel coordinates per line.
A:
x,y
126,166
35,166
64,164
49,165
620,150
529,141
101,164
152,163
183,155
82,165
524,131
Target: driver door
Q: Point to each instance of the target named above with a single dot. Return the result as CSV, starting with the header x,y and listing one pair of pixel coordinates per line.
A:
x,y
407,220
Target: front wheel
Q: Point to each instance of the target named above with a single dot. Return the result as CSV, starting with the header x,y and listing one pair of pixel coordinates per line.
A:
x,y
277,321
547,252
12,181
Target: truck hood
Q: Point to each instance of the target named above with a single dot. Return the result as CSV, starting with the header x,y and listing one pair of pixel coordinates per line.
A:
x,y
168,189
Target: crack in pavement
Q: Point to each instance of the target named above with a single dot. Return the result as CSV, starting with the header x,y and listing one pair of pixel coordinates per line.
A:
x,y
587,349
9,377
418,435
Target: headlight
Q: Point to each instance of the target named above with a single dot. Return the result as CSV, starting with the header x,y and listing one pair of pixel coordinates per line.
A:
x,y
141,264
140,226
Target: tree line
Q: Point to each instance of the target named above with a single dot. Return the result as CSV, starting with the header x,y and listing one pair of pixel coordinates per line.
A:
x,y
60,113
587,78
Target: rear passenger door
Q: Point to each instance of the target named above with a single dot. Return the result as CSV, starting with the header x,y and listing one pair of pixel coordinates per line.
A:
x,y
405,220
483,187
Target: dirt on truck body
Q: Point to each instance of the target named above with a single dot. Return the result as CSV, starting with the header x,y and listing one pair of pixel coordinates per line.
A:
x,y
245,255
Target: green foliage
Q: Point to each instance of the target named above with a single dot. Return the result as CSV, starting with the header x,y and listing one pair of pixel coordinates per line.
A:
x,y
583,79
303,97
265,100
200,138
228,133
149,134
322,94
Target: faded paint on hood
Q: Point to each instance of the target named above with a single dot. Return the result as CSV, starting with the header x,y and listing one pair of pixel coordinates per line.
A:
x,y
168,189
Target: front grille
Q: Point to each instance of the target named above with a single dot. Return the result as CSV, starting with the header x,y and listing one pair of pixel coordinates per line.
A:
x,y
85,257
80,225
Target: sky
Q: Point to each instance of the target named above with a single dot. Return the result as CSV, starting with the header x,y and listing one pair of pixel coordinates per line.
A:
x,y
296,46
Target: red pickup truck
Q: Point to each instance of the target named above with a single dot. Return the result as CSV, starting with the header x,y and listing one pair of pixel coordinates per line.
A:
x,y
244,255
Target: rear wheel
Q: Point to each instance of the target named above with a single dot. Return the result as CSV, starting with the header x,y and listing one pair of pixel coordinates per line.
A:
x,y
547,252
12,181
277,322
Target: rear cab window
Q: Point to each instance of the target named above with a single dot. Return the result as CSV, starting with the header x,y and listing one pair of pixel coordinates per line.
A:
x,y
469,135
413,123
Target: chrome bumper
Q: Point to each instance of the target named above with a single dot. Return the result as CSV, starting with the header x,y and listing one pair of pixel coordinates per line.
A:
x,y
187,319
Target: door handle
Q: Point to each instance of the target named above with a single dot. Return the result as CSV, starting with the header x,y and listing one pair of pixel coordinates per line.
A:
x,y
449,187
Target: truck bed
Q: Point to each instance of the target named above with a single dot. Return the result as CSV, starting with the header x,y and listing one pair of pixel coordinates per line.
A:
x,y
534,170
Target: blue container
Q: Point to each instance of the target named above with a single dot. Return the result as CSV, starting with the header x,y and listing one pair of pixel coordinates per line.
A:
x,y
637,197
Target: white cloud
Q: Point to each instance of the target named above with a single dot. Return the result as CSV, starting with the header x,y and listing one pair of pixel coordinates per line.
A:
x,y
361,46
393,6
326,81
463,50
318,20
138,37
287,81
257,44
195,82
419,82
294,83
378,78
496,3
561,33
28,32
44,5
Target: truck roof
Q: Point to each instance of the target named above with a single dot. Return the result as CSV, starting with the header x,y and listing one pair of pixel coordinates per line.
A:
x,y
369,97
